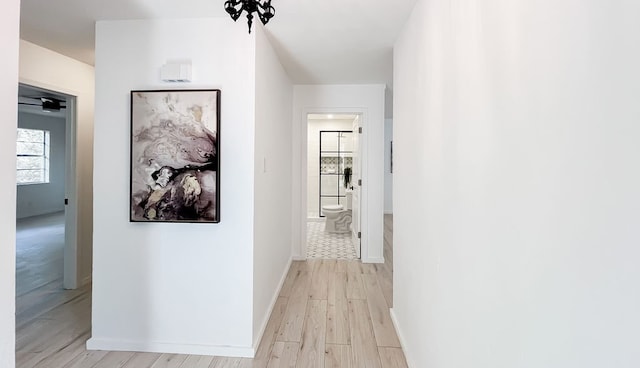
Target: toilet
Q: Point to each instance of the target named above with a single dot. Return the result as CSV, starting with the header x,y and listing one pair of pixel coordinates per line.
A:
x,y
338,217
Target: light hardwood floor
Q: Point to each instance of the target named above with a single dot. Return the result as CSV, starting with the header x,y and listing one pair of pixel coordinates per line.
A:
x,y
329,313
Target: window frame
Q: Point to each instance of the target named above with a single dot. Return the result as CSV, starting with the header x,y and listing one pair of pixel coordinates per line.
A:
x,y
46,157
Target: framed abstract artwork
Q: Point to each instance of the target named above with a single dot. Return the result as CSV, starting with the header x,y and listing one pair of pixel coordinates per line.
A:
x,y
175,156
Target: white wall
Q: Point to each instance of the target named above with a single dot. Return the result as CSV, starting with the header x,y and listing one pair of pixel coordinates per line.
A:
x,y
313,158
272,173
388,176
182,288
9,33
368,100
46,69
516,201
39,199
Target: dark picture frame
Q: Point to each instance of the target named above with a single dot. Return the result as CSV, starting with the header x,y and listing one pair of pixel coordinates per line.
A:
x,y
175,156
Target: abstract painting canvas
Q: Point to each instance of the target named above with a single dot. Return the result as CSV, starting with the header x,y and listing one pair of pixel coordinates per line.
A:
x,y
175,156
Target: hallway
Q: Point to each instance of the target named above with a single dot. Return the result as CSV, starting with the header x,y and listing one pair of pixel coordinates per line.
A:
x,y
330,313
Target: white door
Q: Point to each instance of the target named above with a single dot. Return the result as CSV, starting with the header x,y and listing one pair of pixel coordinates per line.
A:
x,y
355,180
71,231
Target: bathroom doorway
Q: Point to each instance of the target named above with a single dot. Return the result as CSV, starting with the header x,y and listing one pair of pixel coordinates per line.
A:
x,y
332,206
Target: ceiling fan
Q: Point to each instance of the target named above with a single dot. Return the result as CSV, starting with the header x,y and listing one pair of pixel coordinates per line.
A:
x,y
48,104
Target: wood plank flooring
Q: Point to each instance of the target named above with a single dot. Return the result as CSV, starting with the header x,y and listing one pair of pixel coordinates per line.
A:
x,y
330,313
39,263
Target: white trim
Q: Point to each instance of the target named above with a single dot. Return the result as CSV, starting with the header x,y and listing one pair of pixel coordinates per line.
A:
x,y
372,260
72,230
274,299
167,347
401,338
50,87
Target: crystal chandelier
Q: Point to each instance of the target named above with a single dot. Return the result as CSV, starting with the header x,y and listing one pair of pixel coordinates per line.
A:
x,y
262,7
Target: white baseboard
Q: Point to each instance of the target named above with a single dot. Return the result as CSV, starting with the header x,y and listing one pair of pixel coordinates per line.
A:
x,y
372,260
299,258
403,341
172,348
194,349
274,299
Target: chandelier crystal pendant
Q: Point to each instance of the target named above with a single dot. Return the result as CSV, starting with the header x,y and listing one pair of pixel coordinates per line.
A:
x,y
262,7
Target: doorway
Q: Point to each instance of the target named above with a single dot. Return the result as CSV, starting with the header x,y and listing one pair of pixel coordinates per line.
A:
x,y
46,226
332,193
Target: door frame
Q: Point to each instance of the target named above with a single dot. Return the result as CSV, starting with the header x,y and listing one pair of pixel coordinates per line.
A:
x,y
71,230
304,142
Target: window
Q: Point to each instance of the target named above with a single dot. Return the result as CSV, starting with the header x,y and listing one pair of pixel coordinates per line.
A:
x,y
33,156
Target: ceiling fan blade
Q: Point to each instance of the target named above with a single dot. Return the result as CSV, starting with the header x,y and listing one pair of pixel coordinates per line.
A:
x,y
51,108
44,98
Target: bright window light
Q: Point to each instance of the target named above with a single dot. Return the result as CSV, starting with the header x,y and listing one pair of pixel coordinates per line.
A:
x,y
32,156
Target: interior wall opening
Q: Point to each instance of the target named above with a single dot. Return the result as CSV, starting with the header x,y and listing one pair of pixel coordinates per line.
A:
x,y
45,258
331,156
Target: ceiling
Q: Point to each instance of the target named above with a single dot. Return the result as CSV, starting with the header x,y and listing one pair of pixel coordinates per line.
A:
x,y
318,41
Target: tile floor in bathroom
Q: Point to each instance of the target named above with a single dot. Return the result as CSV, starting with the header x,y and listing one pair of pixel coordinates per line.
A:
x,y
323,245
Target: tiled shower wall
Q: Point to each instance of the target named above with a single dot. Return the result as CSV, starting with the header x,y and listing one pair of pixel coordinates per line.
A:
x,y
313,158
